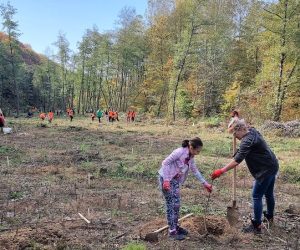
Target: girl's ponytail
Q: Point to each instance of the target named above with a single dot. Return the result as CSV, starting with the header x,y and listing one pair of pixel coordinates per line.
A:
x,y
185,143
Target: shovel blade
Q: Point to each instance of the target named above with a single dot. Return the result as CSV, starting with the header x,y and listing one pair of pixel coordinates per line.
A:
x,y
232,216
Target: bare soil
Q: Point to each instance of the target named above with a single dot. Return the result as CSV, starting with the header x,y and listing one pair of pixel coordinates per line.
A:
x,y
49,174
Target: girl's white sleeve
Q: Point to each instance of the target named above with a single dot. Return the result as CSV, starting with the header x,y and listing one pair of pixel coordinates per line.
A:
x,y
197,172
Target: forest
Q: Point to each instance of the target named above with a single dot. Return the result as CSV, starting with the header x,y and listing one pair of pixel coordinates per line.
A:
x,y
211,86
183,59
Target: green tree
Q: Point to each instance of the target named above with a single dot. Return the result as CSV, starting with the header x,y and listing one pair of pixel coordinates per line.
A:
x,y
11,28
63,57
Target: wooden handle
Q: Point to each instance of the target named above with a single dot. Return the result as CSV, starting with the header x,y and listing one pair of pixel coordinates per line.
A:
x,y
85,219
234,171
165,227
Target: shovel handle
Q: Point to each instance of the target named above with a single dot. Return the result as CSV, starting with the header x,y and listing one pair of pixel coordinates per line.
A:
x,y
234,171
165,227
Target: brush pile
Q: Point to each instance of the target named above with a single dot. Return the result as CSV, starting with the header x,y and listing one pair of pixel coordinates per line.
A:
x,y
288,129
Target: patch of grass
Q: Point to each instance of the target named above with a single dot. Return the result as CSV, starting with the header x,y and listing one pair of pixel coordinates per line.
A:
x,y
84,148
195,209
279,144
146,169
291,172
212,122
134,246
121,169
14,155
140,170
217,148
15,195
88,166
6,150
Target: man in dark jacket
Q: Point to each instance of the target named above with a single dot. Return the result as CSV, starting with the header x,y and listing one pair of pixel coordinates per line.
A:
x,y
263,166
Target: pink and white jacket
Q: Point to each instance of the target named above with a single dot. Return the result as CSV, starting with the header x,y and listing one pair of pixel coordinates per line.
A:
x,y
177,164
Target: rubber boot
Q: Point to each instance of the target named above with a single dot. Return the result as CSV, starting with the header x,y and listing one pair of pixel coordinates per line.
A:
x,y
253,228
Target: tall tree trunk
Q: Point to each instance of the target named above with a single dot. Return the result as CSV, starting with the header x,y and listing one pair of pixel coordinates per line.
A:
x,y
182,64
81,86
15,83
280,95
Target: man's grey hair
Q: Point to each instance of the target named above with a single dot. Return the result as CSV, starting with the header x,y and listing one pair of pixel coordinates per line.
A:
x,y
237,124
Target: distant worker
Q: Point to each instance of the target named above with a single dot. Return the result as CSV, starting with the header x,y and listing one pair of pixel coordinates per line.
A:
x,y
93,116
129,113
71,114
50,116
116,116
110,115
99,115
2,121
42,116
106,115
133,114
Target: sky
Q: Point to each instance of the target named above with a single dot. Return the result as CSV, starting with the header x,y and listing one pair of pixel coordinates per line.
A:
x,y
40,21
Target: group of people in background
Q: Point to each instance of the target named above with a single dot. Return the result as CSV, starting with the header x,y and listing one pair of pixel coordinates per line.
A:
x,y
50,116
111,115
99,115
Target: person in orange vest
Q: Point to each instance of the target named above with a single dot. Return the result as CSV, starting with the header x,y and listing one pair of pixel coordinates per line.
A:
x,y
42,116
116,116
71,114
129,116
50,116
133,114
93,116
106,115
110,115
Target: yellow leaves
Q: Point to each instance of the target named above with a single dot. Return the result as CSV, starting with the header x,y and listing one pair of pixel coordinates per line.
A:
x,y
231,93
230,96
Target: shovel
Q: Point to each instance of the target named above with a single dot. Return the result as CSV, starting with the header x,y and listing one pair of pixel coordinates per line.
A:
x,y
153,236
232,211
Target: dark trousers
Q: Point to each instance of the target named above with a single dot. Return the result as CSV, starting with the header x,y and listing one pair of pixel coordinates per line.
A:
x,y
260,189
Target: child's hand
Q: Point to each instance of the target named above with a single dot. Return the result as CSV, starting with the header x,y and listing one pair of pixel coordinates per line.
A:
x,y
166,186
208,187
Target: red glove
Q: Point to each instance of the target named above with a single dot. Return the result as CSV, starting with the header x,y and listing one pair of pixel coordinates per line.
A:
x,y
166,186
217,173
208,187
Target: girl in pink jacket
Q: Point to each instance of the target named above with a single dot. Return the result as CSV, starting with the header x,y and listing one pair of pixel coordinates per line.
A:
x,y
172,173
